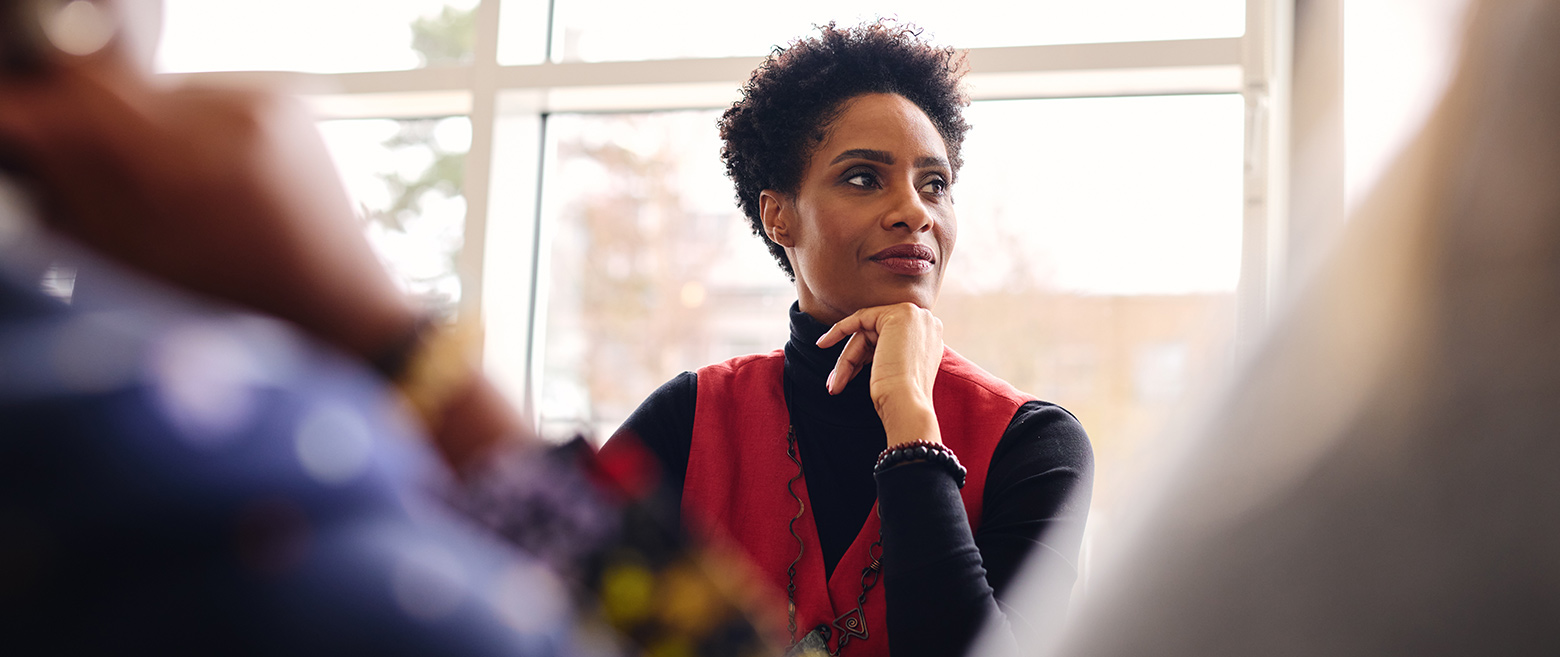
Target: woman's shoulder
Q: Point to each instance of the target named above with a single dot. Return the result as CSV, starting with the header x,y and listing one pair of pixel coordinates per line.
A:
x,y
1029,420
666,405
663,424
738,364
1043,420
957,373
667,414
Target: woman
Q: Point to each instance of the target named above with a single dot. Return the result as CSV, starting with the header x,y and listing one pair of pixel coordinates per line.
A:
x,y
843,150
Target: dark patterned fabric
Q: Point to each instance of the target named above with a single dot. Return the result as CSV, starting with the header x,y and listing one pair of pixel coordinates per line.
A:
x,y
177,480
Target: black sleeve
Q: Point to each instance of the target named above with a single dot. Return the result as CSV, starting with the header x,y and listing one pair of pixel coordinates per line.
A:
x,y
663,424
1037,492
942,583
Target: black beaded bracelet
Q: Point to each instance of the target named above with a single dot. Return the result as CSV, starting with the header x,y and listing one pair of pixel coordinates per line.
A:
x,y
922,450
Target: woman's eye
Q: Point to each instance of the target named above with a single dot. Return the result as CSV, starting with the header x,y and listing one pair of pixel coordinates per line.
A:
x,y
936,186
861,179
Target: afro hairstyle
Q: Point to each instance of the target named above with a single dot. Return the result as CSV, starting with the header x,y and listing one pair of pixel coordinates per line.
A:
x,y
790,100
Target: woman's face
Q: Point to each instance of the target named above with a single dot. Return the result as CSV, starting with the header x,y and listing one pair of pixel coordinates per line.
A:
x,y
872,222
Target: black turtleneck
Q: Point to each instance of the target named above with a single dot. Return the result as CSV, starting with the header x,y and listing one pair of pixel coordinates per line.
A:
x,y
837,436
1037,493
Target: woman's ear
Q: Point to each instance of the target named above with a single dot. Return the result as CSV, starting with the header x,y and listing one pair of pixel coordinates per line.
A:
x,y
774,210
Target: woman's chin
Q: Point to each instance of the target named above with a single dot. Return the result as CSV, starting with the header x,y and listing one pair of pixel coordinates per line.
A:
x,y
865,295
920,297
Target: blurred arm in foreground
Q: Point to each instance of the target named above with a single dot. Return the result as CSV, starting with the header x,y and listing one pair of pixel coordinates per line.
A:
x,y
225,193
176,476
1381,480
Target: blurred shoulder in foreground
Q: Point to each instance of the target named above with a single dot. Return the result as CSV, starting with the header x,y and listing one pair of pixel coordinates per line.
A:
x,y
1381,480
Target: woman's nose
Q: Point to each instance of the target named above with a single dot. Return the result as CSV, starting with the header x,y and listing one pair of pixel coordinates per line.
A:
x,y
908,211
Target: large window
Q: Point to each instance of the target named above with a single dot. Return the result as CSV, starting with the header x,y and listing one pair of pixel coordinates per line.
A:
x,y
552,169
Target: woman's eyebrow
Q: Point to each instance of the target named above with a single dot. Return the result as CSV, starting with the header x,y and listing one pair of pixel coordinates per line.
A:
x,y
931,162
883,157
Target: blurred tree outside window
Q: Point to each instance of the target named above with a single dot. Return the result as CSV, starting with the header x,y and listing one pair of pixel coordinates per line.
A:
x,y
406,176
446,38
653,270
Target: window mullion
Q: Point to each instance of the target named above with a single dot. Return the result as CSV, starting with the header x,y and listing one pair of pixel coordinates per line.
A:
x,y
1267,50
479,160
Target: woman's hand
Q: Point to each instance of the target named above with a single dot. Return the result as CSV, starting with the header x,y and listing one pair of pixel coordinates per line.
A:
x,y
904,344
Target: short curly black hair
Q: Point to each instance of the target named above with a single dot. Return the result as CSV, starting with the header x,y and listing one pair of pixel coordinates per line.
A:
x,y
789,101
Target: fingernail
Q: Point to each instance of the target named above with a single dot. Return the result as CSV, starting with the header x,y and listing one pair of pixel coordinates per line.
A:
x,y
829,385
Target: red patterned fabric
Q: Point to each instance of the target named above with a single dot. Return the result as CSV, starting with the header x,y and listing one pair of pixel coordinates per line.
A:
x,y
735,491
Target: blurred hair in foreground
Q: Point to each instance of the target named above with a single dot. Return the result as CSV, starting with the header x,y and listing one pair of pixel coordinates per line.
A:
x,y
1381,478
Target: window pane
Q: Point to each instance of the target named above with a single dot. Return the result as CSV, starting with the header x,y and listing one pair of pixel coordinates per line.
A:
x,y
1099,246
1099,250
319,37
1102,196
653,270
609,30
405,177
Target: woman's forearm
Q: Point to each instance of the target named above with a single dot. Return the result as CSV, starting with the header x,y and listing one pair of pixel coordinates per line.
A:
x,y
934,581
908,420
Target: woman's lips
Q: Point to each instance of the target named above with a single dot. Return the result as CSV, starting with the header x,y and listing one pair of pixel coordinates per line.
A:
x,y
907,259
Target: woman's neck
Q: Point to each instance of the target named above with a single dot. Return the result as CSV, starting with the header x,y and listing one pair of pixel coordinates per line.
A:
x,y
807,367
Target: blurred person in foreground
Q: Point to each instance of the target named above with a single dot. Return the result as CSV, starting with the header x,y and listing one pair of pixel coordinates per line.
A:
x,y
1382,479
865,447
181,476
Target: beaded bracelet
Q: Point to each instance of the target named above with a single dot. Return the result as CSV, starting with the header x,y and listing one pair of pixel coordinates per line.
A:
x,y
440,367
922,450
429,364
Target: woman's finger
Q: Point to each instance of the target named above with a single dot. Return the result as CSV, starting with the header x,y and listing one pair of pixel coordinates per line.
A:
x,y
866,319
854,358
842,329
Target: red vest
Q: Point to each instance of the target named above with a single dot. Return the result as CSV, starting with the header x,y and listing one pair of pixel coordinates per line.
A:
x,y
735,491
